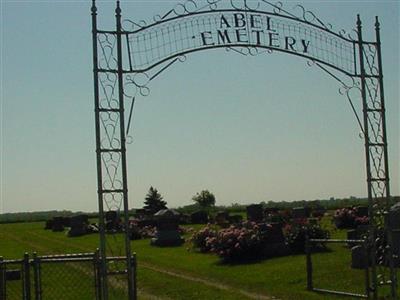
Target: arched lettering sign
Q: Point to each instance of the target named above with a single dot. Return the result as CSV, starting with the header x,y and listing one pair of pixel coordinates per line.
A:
x,y
174,36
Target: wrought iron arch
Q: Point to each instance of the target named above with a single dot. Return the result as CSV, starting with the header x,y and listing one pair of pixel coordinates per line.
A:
x,y
128,58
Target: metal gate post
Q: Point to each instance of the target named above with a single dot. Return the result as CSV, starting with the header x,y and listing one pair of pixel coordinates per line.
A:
x,y
134,272
128,253
309,264
102,262
2,279
97,274
372,233
393,275
27,278
36,277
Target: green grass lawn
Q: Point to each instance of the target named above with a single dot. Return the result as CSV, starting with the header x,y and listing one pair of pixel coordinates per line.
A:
x,y
179,273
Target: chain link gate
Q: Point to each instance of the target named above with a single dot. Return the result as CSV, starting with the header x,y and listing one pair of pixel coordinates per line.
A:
x,y
61,277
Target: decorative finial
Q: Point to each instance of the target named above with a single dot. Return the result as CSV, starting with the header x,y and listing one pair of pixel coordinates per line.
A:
x,y
118,9
94,8
377,24
358,21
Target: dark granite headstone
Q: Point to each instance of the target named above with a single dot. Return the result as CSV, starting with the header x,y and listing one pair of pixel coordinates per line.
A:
x,y
394,216
199,217
275,242
271,210
255,213
393,220
58,224
299,213
49,224
78,225
167,229
235,219
112,221
352,234
184,219
359,257
275,233
221,218
362,211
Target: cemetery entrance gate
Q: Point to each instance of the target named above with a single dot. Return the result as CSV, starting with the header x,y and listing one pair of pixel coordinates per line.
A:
x,y
128,58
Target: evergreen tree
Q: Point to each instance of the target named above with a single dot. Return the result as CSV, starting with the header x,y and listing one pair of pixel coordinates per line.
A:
x,y
154,201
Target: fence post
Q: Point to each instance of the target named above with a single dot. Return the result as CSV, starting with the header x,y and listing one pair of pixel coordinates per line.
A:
x,y
97,277
134,272
26,279
36,277
309,264
367,279
2,280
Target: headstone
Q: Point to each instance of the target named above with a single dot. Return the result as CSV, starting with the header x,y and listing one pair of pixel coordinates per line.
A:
x,y
359,257
255,213
299,213
221,218
66,221
167,229
199,217
275,233
352,235
140,213
393,220
275,243
184,219
58,224
272,215
112,221
362,211
49,224
271,210
79,225
235,219
394,216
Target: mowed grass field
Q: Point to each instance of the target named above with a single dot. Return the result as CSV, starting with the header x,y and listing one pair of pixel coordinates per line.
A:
x,y
180,273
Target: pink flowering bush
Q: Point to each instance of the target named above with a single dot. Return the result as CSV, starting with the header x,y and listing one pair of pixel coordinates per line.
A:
x,y
347,218
295,235
137,233
202,239
239,241
361,221
243,240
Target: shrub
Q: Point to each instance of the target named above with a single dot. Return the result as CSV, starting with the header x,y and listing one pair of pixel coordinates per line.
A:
x,y
348,218
137,233
243,240
295,235
201,239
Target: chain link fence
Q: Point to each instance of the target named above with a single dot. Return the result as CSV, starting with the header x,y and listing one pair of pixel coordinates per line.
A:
x,y
61,277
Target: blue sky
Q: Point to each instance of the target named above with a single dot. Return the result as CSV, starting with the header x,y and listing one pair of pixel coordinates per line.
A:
x,y
249,129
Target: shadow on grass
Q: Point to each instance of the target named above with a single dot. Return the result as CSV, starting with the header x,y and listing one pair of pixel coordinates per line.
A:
x,y
260,257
